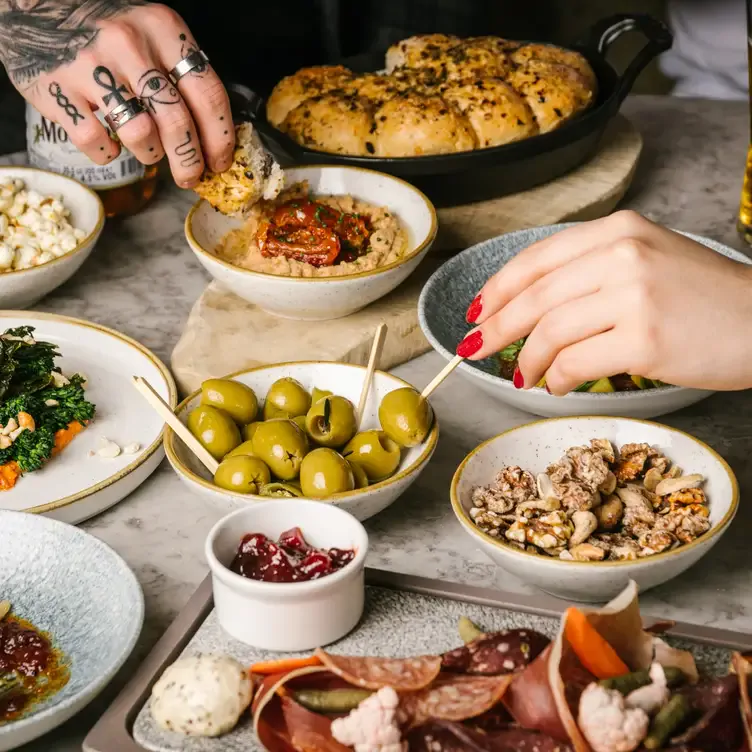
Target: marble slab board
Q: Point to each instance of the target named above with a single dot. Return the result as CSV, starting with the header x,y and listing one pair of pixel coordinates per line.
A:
x,y
395,623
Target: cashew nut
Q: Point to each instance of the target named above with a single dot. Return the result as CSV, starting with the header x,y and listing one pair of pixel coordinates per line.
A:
x,y
586,552
674,472
545,487
672,485
609,513
585,524
26,421
632,496
609,485
652,478
546,505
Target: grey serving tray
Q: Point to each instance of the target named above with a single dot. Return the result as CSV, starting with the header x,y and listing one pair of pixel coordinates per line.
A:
x,y
404,615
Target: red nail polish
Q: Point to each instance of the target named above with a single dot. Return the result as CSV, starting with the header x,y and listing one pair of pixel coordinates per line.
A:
x,y
474,310
470,345
517,379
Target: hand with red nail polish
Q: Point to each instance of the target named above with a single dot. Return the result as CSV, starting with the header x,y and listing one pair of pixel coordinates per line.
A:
x,y
619,295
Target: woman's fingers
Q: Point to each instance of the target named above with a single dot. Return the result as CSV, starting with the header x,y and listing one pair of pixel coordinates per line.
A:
x,y
72,112
588,360
563,327
202,89
549,254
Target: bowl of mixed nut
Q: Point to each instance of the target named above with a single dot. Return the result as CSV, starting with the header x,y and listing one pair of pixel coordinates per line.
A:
x,y
580,506
49,224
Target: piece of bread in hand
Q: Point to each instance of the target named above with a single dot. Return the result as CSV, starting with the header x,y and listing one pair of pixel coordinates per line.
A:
x,y
253,175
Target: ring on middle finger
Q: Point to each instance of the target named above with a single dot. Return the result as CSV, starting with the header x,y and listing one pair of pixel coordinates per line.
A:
x,y
124,112
195,60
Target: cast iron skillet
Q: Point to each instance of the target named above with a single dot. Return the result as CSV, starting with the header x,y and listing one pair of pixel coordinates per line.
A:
x,y
452,179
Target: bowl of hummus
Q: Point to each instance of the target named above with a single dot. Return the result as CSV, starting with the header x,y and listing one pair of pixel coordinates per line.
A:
x,y
333,241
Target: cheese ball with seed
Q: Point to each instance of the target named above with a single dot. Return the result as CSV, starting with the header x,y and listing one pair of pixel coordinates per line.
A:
x,y
497,114
306,83
417,50
414,125
333,123
201,695
551,54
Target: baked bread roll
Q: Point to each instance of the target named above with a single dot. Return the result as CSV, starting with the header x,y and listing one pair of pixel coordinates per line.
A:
x,y
496,113
375,87
466,60
333,123
306,83
410,52
551,54
252,176
413,125
554,92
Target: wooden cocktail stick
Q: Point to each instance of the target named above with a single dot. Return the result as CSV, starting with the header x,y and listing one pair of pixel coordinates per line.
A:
x,y
376,347
172,420
440,376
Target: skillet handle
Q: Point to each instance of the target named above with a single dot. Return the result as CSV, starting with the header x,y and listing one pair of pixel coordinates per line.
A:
x,y
608,30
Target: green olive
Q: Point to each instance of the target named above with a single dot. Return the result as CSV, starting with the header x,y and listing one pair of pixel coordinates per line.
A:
x,y
375,452
282,490
215,429
331,421
324,472
300,422
286,398
242,474
236,399
250,429
405,417
318,394
282,445
361,479
242,450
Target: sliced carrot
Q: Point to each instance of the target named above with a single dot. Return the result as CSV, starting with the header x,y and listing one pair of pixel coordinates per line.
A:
x,y
283,665
9,473
64,436
595,654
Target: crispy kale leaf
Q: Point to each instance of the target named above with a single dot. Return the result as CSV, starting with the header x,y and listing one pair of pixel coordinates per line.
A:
x,y
25,365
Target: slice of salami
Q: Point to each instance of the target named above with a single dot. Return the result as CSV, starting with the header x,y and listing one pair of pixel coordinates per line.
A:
x,y
401,674
719,727
453,737
505,652
453,698
309,732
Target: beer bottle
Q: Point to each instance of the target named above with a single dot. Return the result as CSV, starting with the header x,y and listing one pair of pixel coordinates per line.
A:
x,y
124,185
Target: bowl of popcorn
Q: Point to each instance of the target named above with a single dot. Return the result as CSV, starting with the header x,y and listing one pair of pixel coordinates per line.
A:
x,y
49,224
580,506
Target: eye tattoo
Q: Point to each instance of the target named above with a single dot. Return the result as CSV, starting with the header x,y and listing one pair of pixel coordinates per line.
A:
x,y
153,88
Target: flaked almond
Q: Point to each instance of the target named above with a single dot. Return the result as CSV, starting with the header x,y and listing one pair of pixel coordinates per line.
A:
x,y
13,435
9,427
51,403
108,449
5,441
59,380
132,448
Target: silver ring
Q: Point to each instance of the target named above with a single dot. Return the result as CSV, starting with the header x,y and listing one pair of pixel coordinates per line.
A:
x,y
196,59
118,117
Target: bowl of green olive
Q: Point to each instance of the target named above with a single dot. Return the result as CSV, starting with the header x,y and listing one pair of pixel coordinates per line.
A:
x,y
291,431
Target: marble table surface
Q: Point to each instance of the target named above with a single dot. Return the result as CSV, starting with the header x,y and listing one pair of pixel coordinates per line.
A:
x,y
143,280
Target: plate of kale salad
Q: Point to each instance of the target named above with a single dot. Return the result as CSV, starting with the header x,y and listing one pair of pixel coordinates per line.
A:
x,y
75,436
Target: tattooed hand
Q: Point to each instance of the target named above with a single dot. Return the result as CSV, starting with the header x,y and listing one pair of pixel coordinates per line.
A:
x,y
70,58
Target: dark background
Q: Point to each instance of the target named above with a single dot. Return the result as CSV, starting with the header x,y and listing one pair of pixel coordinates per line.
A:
x,y
256,42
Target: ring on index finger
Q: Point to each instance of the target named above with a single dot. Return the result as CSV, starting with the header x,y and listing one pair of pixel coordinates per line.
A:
x,y
194,60
123,113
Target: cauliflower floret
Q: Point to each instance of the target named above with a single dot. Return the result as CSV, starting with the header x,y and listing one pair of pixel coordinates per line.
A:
x,y
372,726
652,697
607,723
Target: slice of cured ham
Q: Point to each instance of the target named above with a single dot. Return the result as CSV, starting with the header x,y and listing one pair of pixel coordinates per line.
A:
x,y
401,674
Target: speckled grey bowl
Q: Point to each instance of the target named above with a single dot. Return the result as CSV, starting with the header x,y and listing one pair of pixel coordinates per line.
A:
x,y
73,586
450,290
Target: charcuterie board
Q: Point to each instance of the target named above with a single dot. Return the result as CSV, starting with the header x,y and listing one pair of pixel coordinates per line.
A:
x,y
404,615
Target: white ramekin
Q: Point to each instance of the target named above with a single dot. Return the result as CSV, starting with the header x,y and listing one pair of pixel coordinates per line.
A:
x,y
288,616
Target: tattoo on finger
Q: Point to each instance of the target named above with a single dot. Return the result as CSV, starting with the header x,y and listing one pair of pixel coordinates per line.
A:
x,y
188,153
186,48
104,78
153,88
64,103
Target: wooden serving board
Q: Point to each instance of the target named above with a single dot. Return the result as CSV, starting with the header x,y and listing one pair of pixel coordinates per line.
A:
x,y
225,334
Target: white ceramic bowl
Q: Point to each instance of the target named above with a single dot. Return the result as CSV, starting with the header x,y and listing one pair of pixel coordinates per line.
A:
x,y
342,379
441,311
536,445
25,287
322,298
288,616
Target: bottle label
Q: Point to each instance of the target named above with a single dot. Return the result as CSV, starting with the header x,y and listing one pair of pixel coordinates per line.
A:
x,y
50,149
